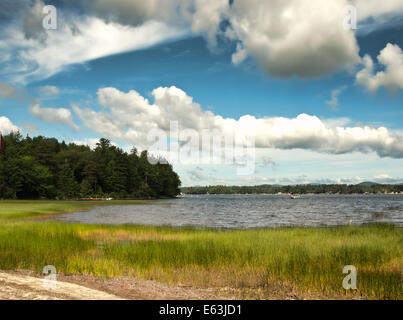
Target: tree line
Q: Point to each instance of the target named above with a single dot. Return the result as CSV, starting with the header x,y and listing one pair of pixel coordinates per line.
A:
x,y
41,167
297,189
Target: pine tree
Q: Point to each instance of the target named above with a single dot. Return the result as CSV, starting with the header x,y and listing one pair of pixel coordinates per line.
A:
x,y
68,187
43,167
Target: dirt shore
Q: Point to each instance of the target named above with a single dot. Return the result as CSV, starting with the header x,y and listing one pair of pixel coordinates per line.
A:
x,y
26,285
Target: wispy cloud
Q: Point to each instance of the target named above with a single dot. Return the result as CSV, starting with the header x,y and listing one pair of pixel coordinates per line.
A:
x,y
53,115
8,91
84,39
48,91
334,98
49,115
197,174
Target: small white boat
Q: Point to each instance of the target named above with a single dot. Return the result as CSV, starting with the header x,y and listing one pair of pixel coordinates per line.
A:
x,y
295,196
181,195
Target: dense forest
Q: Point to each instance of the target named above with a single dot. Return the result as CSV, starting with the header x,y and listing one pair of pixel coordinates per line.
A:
x,y
297,189
40,167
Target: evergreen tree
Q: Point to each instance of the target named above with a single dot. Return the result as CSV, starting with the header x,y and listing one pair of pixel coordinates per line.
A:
x,y
68,187
43,167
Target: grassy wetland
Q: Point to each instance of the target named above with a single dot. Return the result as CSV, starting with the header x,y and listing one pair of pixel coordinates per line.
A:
x,y
254,263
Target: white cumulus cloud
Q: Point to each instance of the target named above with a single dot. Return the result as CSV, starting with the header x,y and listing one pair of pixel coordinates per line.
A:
x,y
304,38
128,117
91,142
6,126
385,178
391,57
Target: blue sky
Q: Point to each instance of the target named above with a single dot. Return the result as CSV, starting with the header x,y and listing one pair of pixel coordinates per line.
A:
x,y
104,79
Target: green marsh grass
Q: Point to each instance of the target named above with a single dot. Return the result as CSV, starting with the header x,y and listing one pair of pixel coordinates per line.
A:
x,y
308,259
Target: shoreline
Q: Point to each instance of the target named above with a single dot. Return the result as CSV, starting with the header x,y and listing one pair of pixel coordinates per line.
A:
x,y
288,262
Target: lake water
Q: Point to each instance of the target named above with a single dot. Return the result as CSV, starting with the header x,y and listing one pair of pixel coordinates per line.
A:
x,y
251,211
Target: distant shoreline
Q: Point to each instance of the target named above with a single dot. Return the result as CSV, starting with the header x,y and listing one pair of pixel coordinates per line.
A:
x,y
366,188
288,194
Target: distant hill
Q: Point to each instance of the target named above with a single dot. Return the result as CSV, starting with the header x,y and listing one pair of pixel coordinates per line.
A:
x,y
367,183
268,185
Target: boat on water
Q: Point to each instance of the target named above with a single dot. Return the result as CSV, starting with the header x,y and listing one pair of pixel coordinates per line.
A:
x,y
181,195
295,196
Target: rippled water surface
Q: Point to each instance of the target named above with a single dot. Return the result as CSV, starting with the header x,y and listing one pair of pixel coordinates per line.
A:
x,y
251,211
